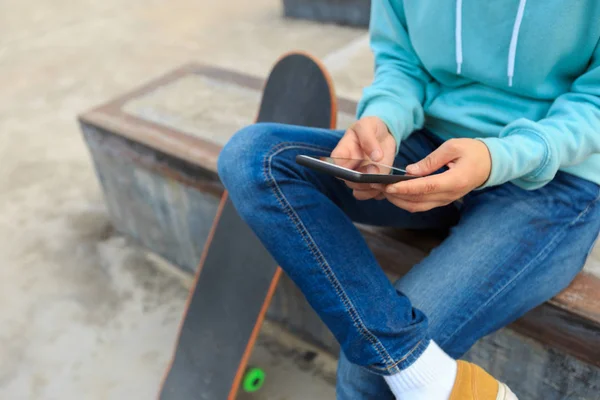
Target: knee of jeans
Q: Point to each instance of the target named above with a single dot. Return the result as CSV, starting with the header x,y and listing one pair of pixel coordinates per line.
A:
x,y
240,164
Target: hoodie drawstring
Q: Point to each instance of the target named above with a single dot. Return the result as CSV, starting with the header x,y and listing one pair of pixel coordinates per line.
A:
x,y
458,36
512,51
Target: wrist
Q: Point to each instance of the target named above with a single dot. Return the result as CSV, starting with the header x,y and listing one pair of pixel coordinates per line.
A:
x,y
486,163
388,115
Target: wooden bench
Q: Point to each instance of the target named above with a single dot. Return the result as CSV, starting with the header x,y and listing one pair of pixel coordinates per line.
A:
x,y
155,151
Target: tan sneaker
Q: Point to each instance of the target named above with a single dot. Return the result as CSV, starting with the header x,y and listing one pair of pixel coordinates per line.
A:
x,y
473,383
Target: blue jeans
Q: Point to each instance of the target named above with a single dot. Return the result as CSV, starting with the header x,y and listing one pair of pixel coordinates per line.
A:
x,y
508,251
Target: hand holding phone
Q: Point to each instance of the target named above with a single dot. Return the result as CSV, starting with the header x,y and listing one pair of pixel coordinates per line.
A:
x,y
367,138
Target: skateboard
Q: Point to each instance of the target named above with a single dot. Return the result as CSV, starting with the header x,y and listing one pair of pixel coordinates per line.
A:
x,y
237,276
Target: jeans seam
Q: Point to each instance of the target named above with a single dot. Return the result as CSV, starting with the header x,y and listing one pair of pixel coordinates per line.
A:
x,y
540,256
314,250
395,364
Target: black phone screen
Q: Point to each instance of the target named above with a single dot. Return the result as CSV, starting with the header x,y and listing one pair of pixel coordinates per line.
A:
x,y
363,166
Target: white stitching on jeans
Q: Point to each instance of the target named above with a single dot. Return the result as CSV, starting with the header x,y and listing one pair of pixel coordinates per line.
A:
x,y
314,250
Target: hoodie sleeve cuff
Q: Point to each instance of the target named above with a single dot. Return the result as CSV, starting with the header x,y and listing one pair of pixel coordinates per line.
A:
x,y
520,157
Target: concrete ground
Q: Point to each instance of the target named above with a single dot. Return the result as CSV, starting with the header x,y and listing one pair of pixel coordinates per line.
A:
x,y
84,313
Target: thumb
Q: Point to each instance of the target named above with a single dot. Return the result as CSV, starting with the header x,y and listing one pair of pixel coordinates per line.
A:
x,y
437,159
367,137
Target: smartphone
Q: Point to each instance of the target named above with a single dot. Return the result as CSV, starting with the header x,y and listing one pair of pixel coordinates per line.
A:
x,y
360,171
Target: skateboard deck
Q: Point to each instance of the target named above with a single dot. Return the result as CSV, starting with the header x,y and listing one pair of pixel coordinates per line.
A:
x,y
237,276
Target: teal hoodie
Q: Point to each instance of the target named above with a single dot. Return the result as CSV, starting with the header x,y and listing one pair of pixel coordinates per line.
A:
x,y
522,76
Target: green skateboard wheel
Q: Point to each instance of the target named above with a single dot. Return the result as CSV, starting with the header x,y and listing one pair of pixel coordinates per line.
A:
x,y
253,379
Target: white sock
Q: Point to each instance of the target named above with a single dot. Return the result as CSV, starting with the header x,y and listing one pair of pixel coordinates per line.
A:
x,y
431,377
